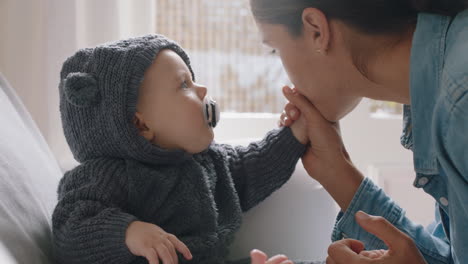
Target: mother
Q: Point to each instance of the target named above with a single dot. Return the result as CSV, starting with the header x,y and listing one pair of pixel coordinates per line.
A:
x,y
411,52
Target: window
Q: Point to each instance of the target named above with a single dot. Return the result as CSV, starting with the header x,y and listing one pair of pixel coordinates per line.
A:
x,y
382,109
227,55
226,52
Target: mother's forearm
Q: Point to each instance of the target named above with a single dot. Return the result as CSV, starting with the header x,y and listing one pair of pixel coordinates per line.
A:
x,y
341,182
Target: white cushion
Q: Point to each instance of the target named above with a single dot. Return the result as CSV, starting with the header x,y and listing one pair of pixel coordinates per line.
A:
x,y
296,220
5,256
29,177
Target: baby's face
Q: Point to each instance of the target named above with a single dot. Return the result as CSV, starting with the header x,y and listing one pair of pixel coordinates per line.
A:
x,y
169,108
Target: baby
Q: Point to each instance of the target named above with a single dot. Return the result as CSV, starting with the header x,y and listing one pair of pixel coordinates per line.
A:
x,y
151,184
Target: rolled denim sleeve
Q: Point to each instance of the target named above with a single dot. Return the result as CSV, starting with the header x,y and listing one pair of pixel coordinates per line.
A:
x,y
373,200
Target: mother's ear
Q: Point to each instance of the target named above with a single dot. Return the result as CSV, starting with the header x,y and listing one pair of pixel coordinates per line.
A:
x,y
316,29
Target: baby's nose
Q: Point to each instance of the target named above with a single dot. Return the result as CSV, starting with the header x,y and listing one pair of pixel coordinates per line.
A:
x,y
201,90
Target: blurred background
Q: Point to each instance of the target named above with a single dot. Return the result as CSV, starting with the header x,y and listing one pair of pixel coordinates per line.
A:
x,y
221,37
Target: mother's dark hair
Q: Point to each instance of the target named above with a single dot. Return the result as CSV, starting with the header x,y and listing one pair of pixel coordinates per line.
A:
x,y
369,16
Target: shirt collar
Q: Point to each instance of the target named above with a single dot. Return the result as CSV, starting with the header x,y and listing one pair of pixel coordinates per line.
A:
x,y
427,59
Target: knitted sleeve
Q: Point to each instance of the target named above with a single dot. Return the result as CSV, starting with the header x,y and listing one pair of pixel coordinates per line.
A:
x,y
89,224
262,167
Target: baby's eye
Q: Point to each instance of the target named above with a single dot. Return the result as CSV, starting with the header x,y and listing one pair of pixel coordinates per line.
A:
x,y
184,85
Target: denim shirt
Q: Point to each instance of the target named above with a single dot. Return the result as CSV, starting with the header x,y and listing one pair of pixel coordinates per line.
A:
x,y
436,130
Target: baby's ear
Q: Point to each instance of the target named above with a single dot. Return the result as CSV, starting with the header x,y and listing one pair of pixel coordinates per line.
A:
x,y
81,89
139,122
143,129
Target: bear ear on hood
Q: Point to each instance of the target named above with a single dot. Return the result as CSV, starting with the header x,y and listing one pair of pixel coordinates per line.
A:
x,y
81,89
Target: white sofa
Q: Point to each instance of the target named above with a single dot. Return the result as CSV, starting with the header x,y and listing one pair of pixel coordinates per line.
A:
x,y
296,220
29,176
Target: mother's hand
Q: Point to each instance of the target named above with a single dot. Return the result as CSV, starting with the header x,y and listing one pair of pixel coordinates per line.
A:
x,y
326,160
325,136
401,248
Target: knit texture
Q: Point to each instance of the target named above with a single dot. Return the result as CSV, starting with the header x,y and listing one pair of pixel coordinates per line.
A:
x,y
98,96
200,200
122,177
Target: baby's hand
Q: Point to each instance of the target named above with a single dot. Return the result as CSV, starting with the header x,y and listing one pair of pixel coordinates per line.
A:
x,y
258,257
292,117
153,243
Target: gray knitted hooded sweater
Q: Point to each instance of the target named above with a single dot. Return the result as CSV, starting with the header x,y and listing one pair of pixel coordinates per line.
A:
x,y
122,177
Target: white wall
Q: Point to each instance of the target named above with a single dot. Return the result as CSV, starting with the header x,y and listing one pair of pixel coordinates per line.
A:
x,y
23,53
38,35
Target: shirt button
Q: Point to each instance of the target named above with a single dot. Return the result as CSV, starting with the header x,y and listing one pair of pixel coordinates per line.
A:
x,y
444,201
423,181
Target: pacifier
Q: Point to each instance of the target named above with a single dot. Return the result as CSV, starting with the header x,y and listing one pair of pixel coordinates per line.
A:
x,y
210,111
